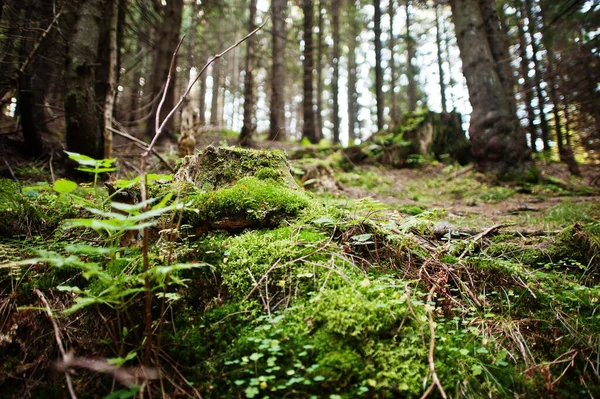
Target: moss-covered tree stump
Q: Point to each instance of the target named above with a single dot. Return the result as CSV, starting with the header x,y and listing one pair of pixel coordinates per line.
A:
x,y
238,189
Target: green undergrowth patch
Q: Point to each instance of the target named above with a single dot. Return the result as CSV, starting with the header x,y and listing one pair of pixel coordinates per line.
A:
x,y
33,210
356,340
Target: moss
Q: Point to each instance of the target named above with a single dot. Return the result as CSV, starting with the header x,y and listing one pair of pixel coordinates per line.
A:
x,y
34,212
355,340
251,201
294,255
221,167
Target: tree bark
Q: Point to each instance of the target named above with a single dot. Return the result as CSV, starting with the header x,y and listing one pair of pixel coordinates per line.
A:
x,y
171,25
394,114
497,141
320,67
335,88
109,103
83,131
353,126
309,130
410,66
440,59
378,67
277,130
248,126
498,41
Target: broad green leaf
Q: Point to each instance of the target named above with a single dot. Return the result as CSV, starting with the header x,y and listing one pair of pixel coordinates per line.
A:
x,y
64,186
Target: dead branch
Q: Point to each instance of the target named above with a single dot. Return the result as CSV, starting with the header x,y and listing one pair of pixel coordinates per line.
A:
x,y
143,146
430,357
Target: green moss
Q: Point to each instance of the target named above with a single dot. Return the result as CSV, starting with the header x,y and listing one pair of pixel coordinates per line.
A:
x,y
261,203
299,264
360,339
221,167
35,211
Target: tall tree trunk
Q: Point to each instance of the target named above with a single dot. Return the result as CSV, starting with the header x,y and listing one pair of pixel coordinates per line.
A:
x,y
248,126
378,67
497,141
498,41
171,25
83,131
394,114
335,88
320,68
353,128
277,128
309,130
111,93
438,41
33,82
410,66
532,28
527,87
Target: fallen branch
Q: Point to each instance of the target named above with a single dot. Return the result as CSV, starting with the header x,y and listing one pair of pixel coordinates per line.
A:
x,y
482,235
430,357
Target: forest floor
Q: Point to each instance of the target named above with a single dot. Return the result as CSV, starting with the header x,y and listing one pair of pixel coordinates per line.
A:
x,y
468,286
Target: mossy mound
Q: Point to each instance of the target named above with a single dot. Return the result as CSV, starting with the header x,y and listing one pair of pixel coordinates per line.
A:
x,y
218,167
252,202
421,134
576,249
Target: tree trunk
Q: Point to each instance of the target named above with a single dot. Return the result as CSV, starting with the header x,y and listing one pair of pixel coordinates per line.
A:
x,y
411,73
83,131
394,114
353,128
277,130
499,45
335,88
33,82
320,67
538,76
166,46
309,130
109,103
527,87
248,126
215,116
438,41
378,67
497,141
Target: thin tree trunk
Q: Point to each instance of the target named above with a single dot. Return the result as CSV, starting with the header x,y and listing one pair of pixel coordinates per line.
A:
x,y
248,126
309,130
411,70
438,41
394,115
353,129
83,131
538,76
320,67
527,87
277,129
378,67
335,89
497,141
109,103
